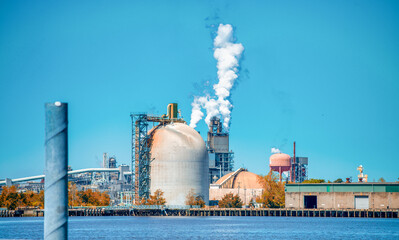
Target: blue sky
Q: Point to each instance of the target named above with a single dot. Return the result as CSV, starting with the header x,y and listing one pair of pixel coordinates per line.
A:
x,y
322,73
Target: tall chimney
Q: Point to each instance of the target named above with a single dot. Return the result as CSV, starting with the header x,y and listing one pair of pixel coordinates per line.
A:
x,y
294,161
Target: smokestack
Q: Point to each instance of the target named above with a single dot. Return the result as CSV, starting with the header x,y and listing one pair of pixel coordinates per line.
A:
x,y
294,172
56,171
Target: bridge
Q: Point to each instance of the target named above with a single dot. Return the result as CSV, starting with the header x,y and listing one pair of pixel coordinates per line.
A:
x,y
8,181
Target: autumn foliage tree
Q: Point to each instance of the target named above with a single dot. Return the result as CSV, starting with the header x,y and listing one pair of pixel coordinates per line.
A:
x,y
230,201
193,199
273,195
93,198
10,198
34,199
73,197
155,199
86,197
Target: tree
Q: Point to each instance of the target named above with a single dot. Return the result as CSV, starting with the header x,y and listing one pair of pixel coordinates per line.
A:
x,y
230,201
156,199
9,197
339,180
193,199
93,198
73,197
34,199
39,200
381,179
273,195
312,180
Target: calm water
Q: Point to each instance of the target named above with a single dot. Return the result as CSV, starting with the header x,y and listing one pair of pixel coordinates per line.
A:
x,y
208,228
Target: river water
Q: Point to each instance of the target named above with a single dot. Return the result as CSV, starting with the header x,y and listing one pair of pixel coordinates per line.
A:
x,y
208,228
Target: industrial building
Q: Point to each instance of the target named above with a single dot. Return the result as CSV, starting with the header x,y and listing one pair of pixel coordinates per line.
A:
x,y
116,180
220,156
171,157
241,182
342,195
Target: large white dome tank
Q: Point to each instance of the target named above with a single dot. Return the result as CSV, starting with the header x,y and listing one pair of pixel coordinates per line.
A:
x,y
180,163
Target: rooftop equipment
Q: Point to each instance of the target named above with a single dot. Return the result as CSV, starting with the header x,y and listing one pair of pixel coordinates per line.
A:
x,y
112,162
361,177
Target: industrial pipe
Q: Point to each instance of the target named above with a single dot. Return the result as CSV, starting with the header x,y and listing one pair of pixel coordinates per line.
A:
x,y
56,171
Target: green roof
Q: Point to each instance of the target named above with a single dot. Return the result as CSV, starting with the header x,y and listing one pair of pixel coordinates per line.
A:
x,y
342,187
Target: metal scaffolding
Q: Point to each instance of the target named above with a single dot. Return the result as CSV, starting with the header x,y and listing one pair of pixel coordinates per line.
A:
x,y
126,198
299,168
141,158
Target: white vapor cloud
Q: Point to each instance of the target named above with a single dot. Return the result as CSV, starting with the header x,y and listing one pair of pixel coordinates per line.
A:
x,y
227,55
275,150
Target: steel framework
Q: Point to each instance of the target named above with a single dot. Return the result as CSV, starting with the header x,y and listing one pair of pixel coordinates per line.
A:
x,y
218,144
141,158
126,198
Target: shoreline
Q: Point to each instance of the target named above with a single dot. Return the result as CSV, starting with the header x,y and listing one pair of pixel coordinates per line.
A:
x,y
204,212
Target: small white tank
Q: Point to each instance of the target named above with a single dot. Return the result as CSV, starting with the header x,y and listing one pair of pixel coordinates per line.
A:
x,y
180,163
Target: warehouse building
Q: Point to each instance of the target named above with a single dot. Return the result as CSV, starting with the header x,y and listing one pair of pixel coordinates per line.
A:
x,y
342,195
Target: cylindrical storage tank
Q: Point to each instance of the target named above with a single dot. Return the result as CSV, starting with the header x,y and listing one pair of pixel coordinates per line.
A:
x,y
280,161
180,163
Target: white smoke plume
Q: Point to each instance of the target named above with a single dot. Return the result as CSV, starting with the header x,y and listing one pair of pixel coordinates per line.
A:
x,y
227,55
275,150
196,113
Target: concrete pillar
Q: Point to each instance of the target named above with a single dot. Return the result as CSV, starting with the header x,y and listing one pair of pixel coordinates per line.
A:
x,y
8,182
56,171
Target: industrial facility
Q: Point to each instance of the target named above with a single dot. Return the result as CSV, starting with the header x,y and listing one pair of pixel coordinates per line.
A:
x,y
221,160
116,180
171,157
295,168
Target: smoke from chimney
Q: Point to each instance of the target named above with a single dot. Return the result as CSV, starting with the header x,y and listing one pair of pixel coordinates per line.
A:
x,y
275,150
227,55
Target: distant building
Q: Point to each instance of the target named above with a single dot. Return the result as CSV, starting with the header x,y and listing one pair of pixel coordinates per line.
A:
x,y
220,157
240,182
342,195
